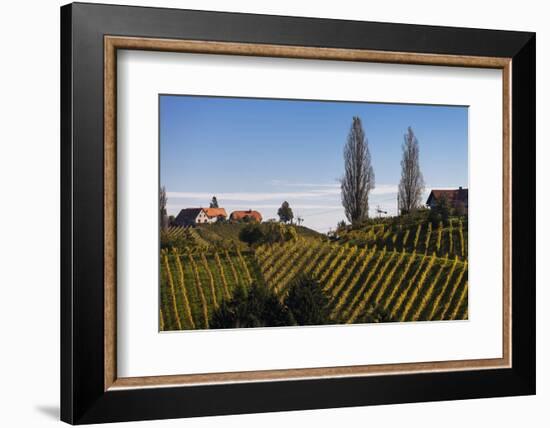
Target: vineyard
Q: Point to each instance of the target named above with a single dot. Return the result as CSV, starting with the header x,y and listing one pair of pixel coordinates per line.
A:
x,y
409,273
193,283
442,239
409,286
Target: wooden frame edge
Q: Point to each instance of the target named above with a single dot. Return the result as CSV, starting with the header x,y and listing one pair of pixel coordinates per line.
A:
x,y
301,52
109,197
299,374
112,43
507,213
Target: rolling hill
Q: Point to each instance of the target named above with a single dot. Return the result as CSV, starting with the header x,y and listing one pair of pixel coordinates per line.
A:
x,y
405,281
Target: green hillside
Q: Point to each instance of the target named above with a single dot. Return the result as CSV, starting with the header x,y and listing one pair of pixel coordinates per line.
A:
x,y
194,283
444,239
401,268
408,286
216,236
405,286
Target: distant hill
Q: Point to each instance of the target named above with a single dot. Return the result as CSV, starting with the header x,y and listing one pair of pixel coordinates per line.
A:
x,y
219,235
309,233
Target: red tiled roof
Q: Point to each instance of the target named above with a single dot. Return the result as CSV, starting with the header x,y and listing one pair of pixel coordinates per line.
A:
x,y
215,212
239,215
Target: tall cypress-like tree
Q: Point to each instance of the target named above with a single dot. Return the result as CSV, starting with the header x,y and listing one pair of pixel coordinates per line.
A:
x,y
411,185
358,179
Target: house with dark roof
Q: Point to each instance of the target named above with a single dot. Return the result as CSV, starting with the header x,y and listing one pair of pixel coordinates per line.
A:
x,y
457,198
190,217
251,215
194,216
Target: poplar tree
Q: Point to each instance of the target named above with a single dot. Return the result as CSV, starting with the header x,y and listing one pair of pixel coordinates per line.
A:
x,y
358,179
411,185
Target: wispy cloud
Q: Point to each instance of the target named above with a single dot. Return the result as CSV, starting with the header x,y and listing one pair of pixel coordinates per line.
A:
x,y
253,196
379,189
285,183
318,204
384,189
312,191
295,207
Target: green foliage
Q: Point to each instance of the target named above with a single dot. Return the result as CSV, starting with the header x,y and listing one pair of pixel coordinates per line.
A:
x,y
307,302
214,202
277,232
252,234
285,213
440,212
267,233
255,307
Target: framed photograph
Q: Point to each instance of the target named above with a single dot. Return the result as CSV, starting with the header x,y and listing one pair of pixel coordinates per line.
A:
x,y
265,213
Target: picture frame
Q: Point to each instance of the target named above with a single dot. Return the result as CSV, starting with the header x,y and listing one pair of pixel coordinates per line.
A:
x,y
91,391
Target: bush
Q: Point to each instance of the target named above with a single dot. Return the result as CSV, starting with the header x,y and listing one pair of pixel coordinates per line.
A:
x,y
440,212
251,234
307,303
278,232
267,233
255,307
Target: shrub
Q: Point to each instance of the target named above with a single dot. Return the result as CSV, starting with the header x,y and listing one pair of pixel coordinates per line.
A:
x,y
256,307
251,234
440,212
267,233
307,303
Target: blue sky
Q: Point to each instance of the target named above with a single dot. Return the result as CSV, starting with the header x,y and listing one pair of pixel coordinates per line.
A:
x,y
256,153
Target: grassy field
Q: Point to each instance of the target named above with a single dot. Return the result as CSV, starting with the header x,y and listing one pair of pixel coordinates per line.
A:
x,y
409,272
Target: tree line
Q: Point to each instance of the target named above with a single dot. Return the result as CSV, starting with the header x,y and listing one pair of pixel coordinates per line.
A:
x,y
359,178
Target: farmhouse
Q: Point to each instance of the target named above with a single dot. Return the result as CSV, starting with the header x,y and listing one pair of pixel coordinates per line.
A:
x,y
215,214
457,198
194,216
243,215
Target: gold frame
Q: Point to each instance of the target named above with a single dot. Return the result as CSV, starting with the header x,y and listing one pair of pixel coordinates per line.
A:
x,y
113,43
